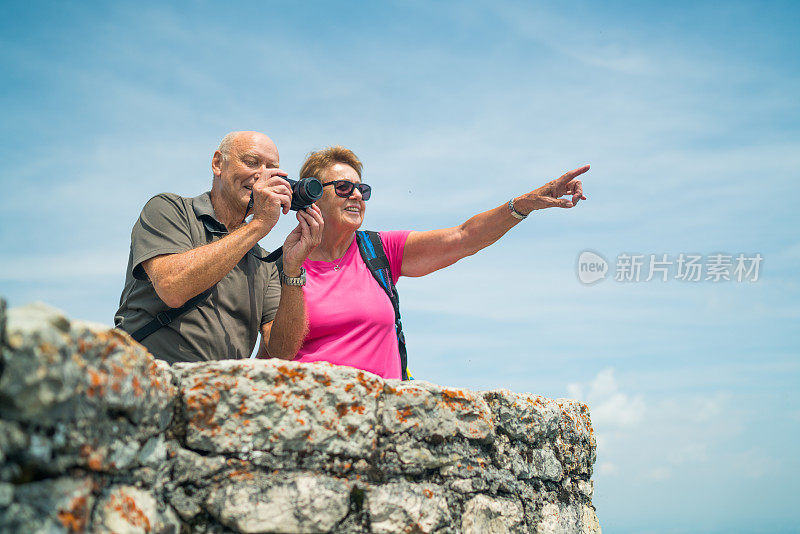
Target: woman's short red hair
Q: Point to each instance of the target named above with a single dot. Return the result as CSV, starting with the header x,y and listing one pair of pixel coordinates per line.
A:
x,y
318,162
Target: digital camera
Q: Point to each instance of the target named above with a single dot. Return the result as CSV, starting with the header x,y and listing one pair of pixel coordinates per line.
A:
x,y
304,193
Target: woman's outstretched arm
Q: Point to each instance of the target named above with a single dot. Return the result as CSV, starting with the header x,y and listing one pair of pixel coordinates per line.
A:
x,y
426,252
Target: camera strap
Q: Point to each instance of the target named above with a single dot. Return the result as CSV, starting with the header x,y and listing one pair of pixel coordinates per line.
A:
x,y
273,256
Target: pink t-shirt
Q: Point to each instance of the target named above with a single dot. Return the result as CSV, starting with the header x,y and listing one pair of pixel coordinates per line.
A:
x,y
351,319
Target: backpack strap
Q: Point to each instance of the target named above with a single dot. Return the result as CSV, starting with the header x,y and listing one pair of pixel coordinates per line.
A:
x,y
371,248
165,317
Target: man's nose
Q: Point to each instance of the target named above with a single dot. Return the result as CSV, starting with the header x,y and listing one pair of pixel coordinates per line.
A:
x,y
356,193
261,171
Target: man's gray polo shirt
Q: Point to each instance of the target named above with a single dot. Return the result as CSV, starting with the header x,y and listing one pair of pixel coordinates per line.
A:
x,y
224,326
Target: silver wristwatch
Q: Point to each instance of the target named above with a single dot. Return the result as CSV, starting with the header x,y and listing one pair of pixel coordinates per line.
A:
x,y
515,213
294,280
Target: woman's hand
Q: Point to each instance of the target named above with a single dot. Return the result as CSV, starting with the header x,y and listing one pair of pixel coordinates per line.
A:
x,y
306,236
549,195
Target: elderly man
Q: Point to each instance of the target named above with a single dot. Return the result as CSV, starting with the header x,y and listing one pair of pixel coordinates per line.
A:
x,y
196,285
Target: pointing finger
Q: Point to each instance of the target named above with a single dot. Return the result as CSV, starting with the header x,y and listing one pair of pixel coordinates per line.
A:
x,y
567,177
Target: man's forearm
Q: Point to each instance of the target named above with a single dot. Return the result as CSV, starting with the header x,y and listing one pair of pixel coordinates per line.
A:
x,y
179,277
290,325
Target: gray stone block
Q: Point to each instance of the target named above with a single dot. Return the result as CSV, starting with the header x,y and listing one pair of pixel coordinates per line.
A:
x,y
97,436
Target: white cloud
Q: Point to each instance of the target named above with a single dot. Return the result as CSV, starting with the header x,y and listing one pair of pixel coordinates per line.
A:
x,y
607,469
689,453
610,408
753,463
656,439
659,474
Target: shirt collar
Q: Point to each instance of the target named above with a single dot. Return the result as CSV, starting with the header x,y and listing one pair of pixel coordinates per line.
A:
x,y
204,211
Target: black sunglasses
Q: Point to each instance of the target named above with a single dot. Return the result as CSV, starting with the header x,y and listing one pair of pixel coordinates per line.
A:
x,y
344,188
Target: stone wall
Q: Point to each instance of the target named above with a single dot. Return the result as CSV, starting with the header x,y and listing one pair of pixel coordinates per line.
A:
x,y
97,436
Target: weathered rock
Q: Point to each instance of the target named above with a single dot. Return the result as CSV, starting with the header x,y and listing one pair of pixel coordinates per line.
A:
x,y
96,435
300,502
84,397
129,510
54,505
526,462
425,426
484,515
575,445
557,518
401,507
241,406
6,494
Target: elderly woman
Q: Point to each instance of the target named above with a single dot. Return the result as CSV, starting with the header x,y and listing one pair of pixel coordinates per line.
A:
x,y
351,318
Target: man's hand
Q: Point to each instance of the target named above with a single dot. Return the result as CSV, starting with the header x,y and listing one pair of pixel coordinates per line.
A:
x,y
271,195
306,236
548,195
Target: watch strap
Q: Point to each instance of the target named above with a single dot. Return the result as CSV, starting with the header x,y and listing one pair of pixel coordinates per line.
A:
x,y
514,212
293,280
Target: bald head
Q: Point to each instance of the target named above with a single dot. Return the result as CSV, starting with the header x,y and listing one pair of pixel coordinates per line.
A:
x,y
235,140
240,161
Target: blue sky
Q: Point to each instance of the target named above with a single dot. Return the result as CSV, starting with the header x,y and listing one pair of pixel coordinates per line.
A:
x,y
687,111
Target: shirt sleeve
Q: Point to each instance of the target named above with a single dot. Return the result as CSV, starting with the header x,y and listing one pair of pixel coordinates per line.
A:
x,y
272,295
393,245
162,228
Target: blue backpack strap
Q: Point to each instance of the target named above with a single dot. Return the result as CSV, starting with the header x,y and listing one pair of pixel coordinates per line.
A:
x,y
371,248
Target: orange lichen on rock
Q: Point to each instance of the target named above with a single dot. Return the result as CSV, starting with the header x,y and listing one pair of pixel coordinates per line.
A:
x,y
74,519
404,413
243,408
110,347
371,384
126,507
202,406
95,461
454,398
137,387
97,383
94,458
241,474
343,408
287,374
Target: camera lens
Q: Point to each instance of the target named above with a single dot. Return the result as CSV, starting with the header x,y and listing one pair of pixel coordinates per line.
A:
x,y
305,192
314,189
